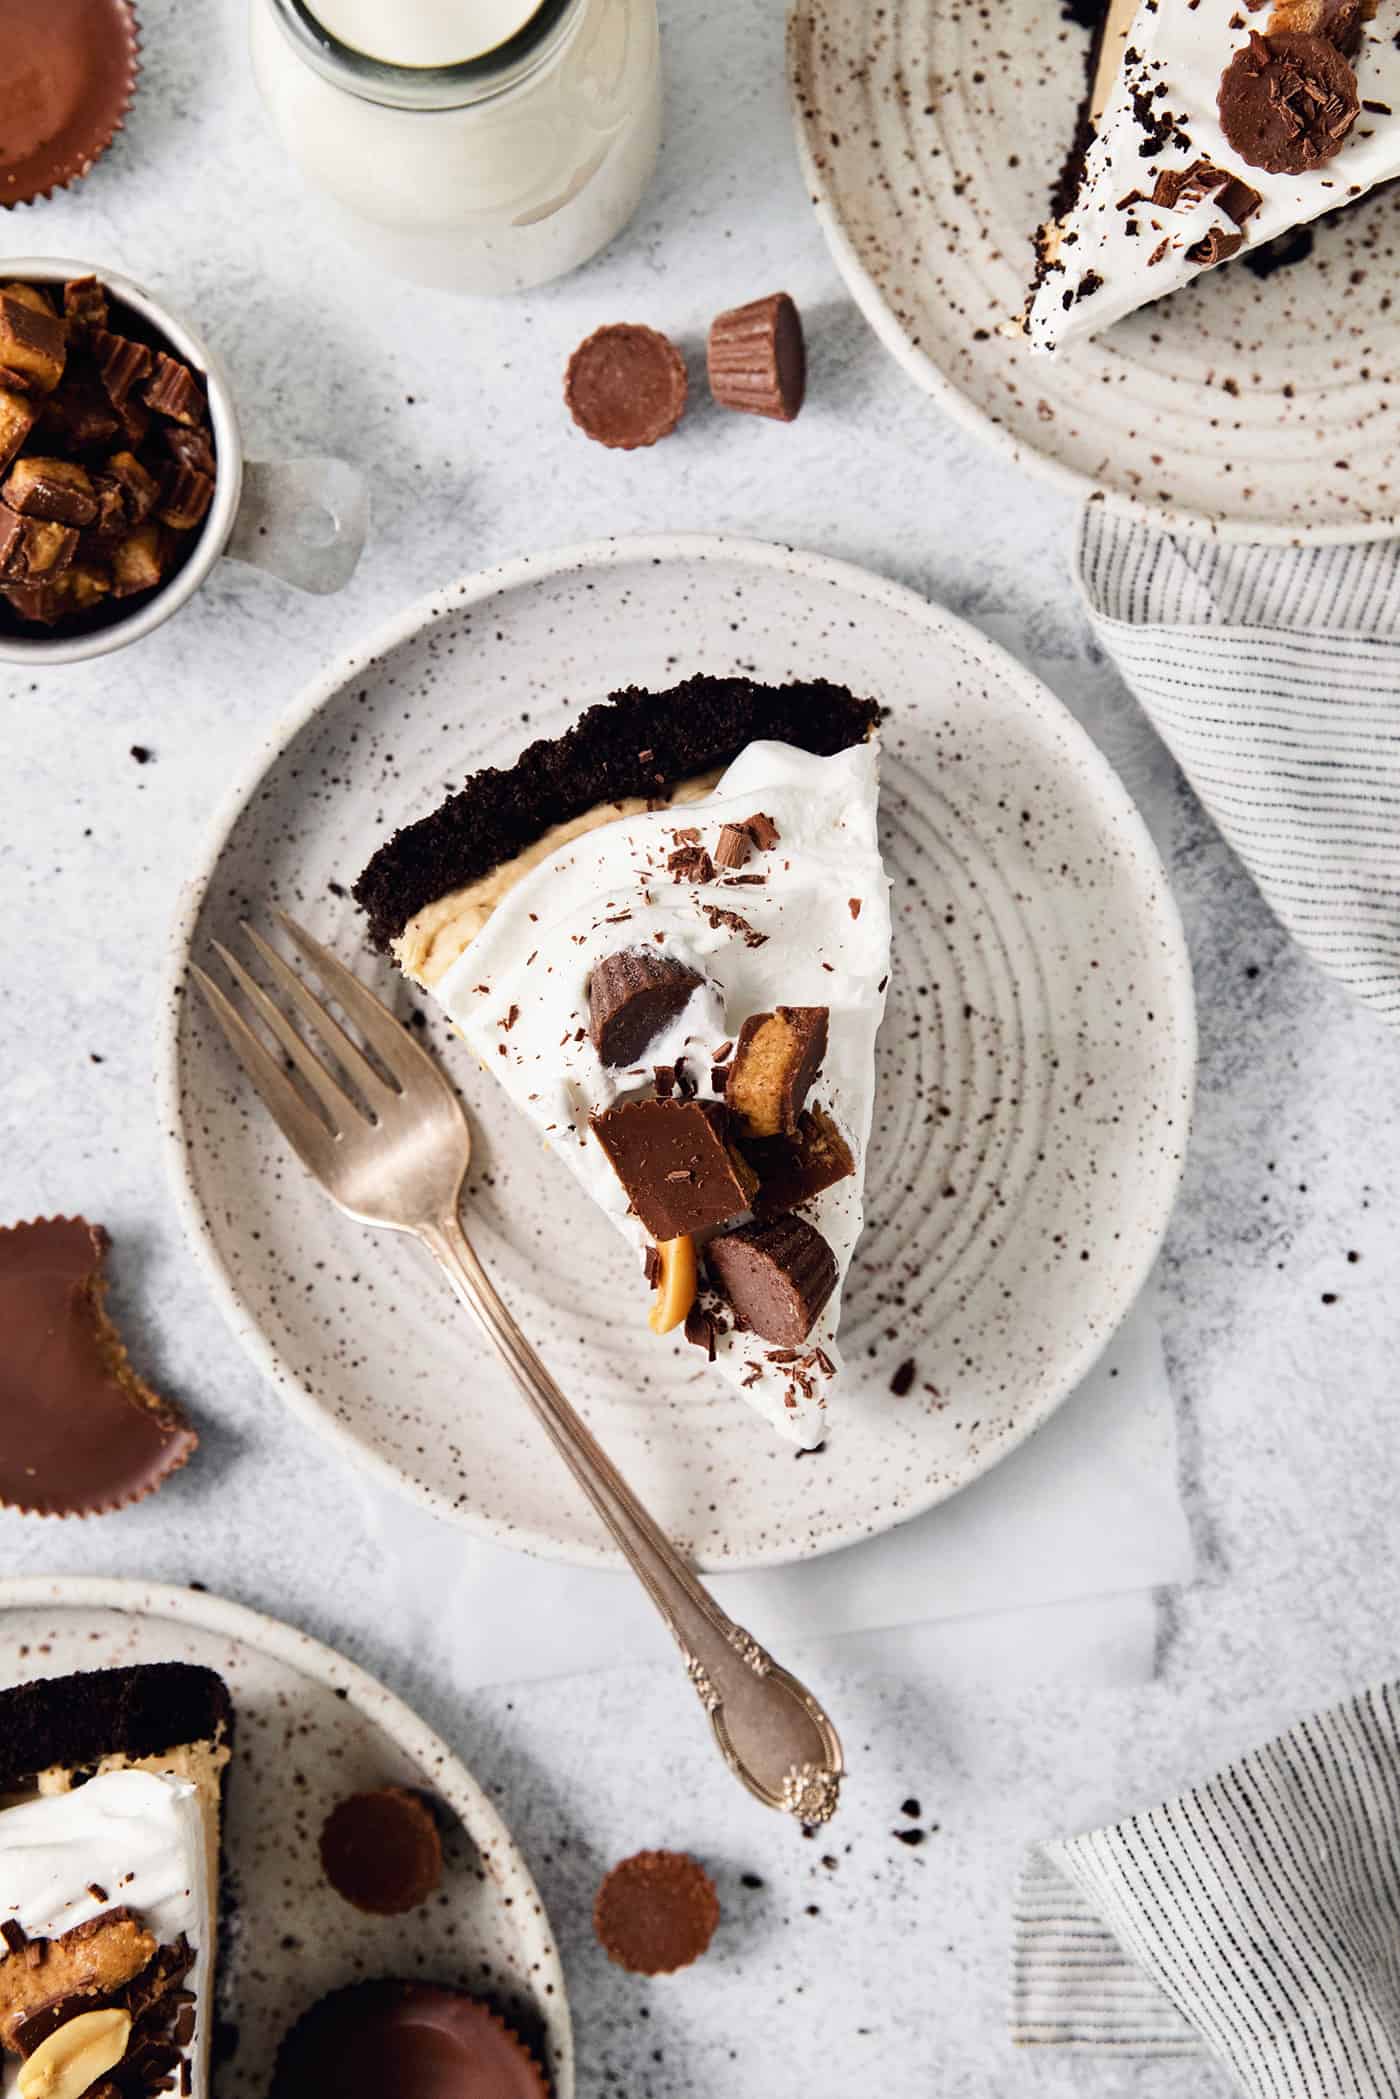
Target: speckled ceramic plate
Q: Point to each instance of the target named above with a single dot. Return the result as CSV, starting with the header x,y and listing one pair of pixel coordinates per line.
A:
x,y
930,132
310,1729
1034,1083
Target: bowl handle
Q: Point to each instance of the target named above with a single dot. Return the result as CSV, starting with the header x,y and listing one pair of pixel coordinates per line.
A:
x,y
304,520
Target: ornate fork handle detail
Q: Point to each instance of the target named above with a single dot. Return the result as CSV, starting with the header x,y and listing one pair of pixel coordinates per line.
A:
x,y
771,1731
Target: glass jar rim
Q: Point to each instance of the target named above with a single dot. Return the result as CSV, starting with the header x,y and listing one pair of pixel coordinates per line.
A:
x,y
426,87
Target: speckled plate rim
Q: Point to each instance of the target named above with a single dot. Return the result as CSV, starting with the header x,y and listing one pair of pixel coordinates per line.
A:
x,y
206,1612
934,380
653,549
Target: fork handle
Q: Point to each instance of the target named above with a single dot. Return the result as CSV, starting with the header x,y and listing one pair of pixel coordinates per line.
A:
x,y
771,1731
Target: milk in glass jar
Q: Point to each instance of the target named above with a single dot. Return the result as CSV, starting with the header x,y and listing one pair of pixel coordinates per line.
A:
x,y
481,145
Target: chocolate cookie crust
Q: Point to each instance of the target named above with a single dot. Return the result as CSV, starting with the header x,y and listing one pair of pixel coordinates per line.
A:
x,y
635,744
140,1711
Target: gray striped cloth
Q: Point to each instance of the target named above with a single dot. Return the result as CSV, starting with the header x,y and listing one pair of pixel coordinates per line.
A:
x,y
1256,1918
1273,674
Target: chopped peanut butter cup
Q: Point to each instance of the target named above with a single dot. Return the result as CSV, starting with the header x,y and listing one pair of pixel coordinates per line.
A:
x,y
656,1912
633,996
776,1277
674,1159
778,1056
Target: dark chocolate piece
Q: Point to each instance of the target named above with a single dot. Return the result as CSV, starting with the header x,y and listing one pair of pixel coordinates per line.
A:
x,y
701,1330
656,1912
791,1170
1215,246
58,489
674,1159
33,341
626,386
633,996
778,1056
692,729
382,1851
776,1277
762,830
79,1431
414,2040
758,360
1287,102
174,392
1175,187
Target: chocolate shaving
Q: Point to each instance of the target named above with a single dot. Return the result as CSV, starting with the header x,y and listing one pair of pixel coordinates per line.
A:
x,y
762,830
733,847
691,863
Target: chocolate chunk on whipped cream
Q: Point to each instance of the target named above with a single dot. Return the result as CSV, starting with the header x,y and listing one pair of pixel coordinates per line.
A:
x,y
633,996
775,1277
676,1162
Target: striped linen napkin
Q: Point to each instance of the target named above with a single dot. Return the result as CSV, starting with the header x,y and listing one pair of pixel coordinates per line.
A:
x,y
1273,675
1256,1918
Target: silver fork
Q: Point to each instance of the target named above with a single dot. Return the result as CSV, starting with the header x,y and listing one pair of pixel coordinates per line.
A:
x,y
397,1156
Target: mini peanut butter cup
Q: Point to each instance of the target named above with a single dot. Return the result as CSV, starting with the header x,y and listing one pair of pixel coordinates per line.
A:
x,y
656,1912
79,1431
626,386
68,71
405,2040
382,1851
758,359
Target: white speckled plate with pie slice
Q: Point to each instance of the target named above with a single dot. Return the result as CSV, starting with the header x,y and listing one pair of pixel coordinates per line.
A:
x,y
311,1728
1258,408
1034,1074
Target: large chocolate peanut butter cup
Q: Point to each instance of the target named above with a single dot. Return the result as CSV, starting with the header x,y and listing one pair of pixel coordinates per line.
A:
x,y
404,2040
67,75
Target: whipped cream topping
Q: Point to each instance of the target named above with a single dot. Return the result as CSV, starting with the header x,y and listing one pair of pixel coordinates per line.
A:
x,y
1109,256
519,993
139,1837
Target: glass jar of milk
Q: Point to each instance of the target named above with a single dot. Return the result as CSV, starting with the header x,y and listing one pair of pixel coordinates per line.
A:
x,y
482,145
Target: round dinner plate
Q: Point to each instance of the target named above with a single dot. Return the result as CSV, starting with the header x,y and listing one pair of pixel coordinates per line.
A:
x,y
1035,1067
311,1728
930,133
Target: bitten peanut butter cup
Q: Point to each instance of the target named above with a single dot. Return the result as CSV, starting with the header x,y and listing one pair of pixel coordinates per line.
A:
x,y
68,72
626,386
79,1431
656,1912
381,1850
757,358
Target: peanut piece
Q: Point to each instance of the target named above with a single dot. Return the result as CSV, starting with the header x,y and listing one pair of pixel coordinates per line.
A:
x,y
75,2055
679,1280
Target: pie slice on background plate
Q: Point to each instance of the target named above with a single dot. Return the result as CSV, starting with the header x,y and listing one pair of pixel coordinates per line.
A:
x,y
1210,128
667,933
110,1804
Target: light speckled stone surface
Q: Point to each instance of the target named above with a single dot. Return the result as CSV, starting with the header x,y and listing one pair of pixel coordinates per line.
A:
x,y
1288,1402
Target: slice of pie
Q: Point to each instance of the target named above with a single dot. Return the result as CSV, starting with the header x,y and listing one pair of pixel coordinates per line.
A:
x,y
667,933
1210,128
110,1797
